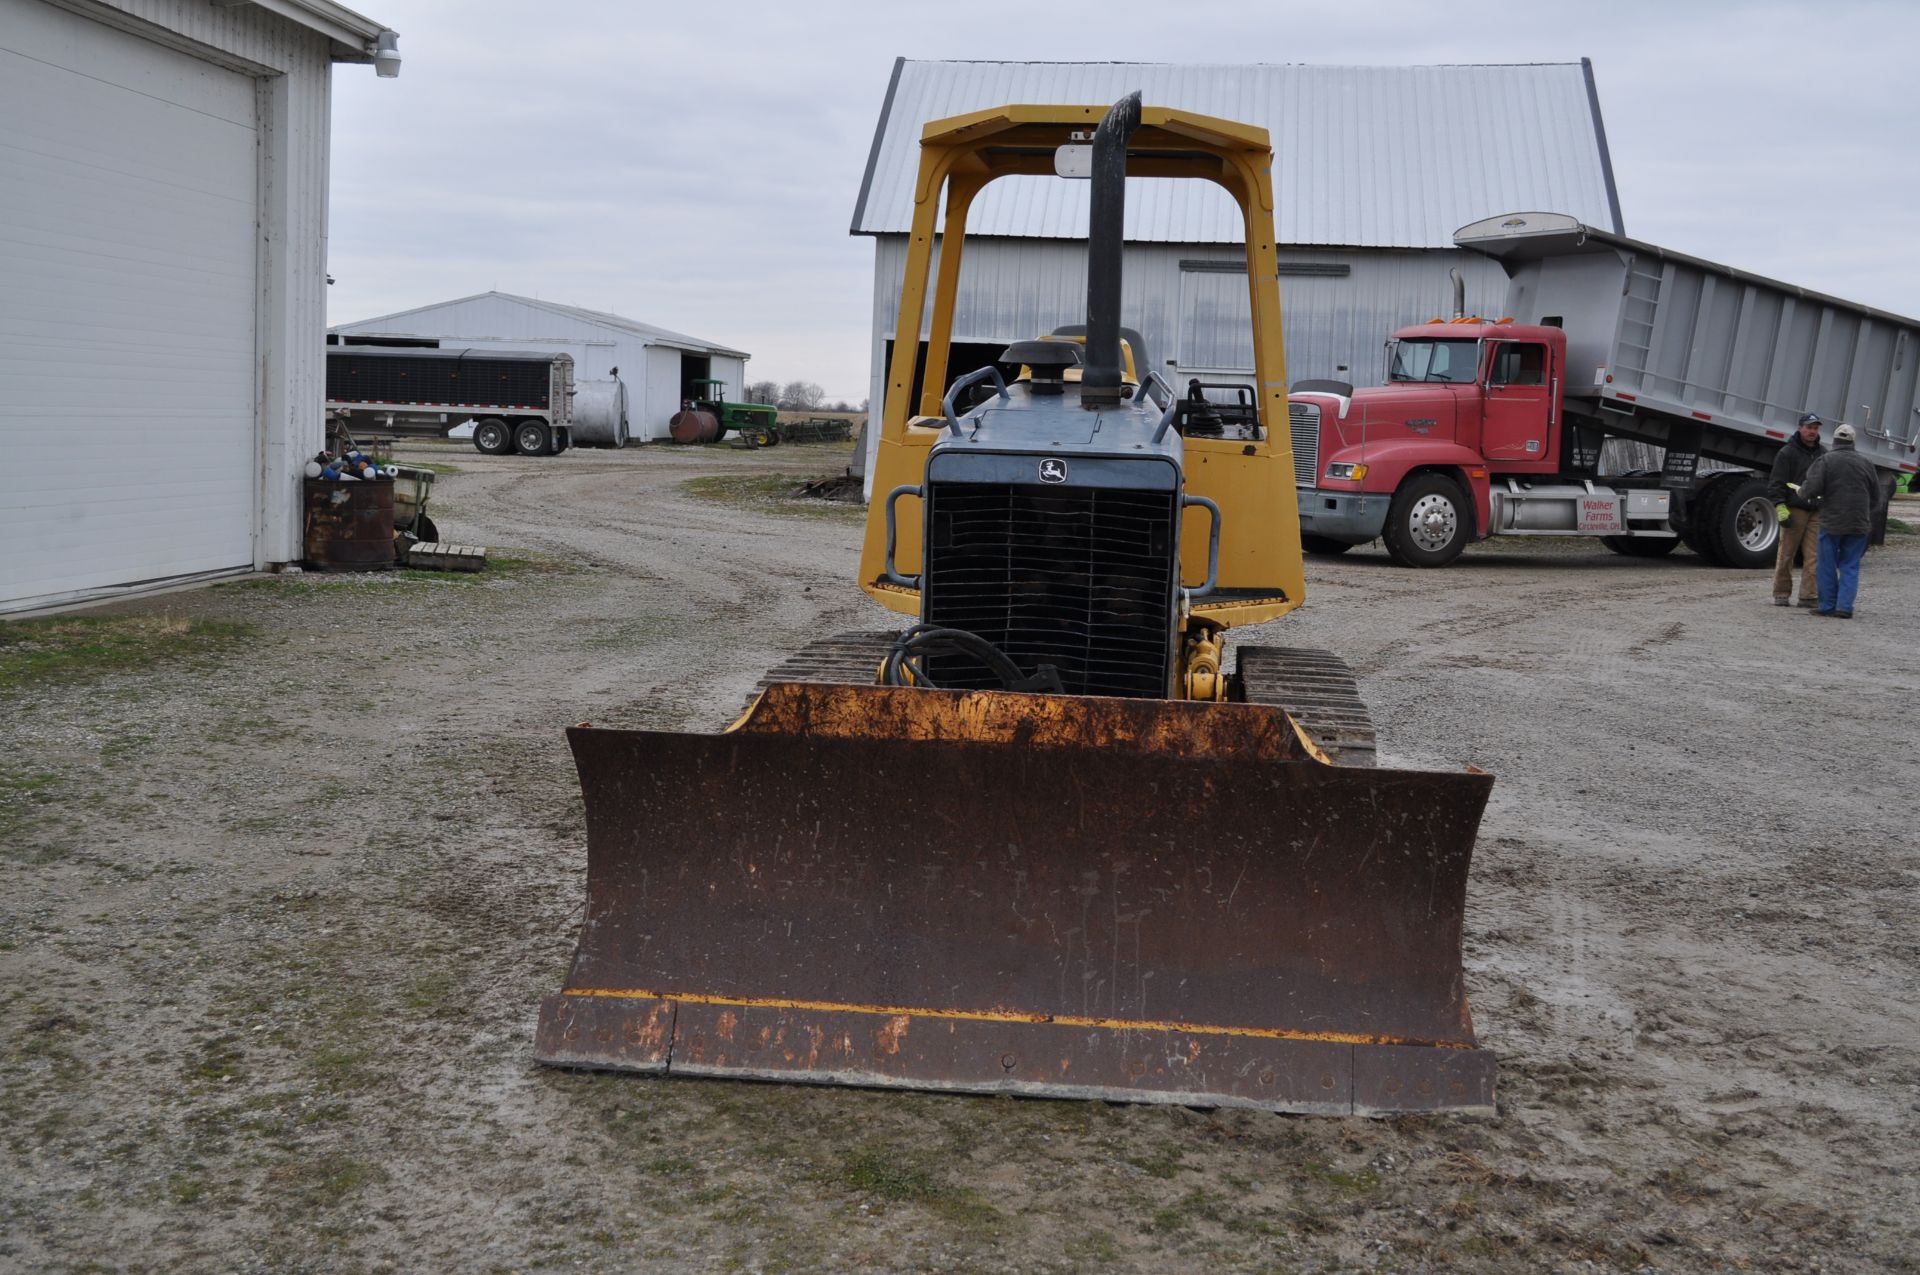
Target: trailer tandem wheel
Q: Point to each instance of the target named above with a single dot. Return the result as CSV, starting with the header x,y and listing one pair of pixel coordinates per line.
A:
x,y
532,438
492,437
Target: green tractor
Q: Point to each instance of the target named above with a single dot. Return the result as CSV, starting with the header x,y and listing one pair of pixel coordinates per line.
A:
x,y
707,417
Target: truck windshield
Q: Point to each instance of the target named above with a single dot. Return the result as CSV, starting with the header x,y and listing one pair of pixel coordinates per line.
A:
x,y
1454,362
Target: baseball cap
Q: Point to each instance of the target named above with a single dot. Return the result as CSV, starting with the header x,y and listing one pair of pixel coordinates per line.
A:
x,y
1810,419
1844,434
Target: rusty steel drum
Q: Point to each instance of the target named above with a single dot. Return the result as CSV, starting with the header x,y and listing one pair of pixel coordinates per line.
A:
x,y
348,525
690,426
1042,895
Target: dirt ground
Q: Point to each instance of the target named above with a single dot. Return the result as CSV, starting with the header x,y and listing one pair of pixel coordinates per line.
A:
x,y
277,908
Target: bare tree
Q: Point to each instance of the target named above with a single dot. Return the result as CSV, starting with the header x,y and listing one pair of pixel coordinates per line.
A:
x,y
763,392
801,396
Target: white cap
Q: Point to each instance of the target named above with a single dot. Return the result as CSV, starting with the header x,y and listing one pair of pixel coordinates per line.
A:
x,y
1843,434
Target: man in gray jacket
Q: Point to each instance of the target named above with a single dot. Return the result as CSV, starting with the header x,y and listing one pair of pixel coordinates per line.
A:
x,y
1800,532
1845,487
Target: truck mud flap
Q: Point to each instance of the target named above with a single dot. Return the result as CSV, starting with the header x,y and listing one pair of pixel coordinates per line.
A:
x,y
999,893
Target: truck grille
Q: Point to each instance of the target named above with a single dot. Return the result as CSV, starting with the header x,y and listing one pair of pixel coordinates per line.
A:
x,y
1079,578
1304,420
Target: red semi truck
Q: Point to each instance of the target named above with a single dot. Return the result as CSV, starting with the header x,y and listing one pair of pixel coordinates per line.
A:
x,y
1497,427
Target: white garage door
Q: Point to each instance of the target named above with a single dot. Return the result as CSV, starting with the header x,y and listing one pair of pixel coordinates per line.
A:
x,y
127,388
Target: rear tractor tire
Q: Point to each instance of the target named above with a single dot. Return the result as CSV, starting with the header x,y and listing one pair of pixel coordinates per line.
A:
x,y
1429,522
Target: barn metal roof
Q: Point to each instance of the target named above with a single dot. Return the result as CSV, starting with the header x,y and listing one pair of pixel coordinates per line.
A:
x,y
1365,156
600,318
351,32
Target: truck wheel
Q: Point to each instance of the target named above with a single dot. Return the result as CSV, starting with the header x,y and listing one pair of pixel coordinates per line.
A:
x,y
531,438
1641,546
1325,546
1696,529
1428,523
1744,525
492,436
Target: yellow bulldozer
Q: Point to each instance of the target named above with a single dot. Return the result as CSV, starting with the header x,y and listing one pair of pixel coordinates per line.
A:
x,y
1041,841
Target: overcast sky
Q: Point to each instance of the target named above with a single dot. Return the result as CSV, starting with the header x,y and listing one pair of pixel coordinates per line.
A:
x,y
695,166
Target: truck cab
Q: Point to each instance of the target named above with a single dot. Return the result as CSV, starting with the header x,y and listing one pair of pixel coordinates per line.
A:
x,y
1465,400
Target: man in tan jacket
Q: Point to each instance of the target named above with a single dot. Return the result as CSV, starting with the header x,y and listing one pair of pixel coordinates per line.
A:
x,y
1800,533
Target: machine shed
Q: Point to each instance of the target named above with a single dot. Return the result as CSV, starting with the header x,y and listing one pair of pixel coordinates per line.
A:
x,y
1375,168
163,220
656,366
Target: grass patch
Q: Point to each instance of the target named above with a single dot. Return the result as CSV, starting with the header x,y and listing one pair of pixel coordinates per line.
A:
x,y
1901,527
219,1061
1359,1182
773,493
24,795
902,1177
324,1180
1163,1163
889,1174
1196,1205
69,648
500,566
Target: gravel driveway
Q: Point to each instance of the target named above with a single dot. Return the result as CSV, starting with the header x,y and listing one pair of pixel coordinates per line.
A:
x,y
275,916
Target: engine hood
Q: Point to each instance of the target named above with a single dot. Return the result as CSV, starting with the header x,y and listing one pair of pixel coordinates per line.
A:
x,y
1401,411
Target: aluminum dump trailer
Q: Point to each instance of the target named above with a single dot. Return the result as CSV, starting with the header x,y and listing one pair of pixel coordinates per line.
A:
x,y
1699,358
517,401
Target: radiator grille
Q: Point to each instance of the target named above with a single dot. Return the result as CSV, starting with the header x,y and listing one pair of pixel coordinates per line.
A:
x,y
357,377
1079,578
1304,420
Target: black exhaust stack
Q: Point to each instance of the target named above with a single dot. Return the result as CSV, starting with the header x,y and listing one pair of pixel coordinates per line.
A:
x,y
1101,378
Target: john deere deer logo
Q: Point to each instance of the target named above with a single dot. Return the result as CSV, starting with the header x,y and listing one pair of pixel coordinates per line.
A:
x,y
1053,471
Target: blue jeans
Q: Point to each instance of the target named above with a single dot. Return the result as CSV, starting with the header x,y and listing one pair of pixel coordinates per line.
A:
x,y
1839,571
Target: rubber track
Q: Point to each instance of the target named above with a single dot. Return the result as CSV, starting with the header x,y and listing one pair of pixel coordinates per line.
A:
x,y
1315,687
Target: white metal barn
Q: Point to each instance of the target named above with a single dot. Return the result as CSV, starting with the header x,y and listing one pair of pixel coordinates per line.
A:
x,y
1375,168
657,366
163,204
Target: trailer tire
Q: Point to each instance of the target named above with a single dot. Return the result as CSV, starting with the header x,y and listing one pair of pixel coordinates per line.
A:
x,y
532,438
1744,529
1428,523
1325,546
1641,546
492,437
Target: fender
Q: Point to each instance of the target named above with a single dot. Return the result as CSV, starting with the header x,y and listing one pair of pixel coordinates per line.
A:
x,y
1389,461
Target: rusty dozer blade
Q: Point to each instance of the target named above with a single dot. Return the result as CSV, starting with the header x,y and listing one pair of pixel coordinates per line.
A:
x,y
991,892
